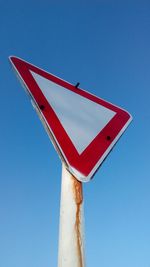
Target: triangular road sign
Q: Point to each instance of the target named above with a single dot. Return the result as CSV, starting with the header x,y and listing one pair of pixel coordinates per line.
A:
x,y
82,127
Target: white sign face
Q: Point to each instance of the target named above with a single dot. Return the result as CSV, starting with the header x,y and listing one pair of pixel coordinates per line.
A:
x,y
83,127
83,123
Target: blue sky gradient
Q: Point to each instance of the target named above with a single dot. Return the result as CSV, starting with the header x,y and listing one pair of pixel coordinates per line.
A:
x,y
105,45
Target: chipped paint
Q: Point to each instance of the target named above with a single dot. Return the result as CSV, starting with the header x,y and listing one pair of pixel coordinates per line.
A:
x,y
78,195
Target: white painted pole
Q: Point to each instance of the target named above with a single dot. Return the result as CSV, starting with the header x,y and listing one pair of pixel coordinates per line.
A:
x,y
71,232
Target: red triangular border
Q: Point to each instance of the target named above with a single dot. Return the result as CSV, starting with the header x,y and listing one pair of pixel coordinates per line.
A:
x,y
84,165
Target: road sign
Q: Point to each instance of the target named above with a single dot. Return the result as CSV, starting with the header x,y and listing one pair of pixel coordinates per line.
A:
x,y
83,127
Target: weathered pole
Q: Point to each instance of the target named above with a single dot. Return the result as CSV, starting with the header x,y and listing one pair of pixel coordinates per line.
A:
x,y
71,232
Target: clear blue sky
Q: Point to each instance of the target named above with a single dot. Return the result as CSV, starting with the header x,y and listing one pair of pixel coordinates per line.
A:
x,y
105,45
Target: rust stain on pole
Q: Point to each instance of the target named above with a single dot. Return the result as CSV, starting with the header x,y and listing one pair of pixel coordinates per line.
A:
x,y
78,195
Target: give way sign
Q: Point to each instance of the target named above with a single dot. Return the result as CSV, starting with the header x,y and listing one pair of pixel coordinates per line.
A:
x,y
82,127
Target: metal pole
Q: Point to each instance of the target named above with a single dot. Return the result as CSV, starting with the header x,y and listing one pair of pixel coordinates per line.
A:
x,y
71,234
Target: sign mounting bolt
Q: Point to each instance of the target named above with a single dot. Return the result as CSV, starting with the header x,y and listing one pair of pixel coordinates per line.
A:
x,y
77,85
